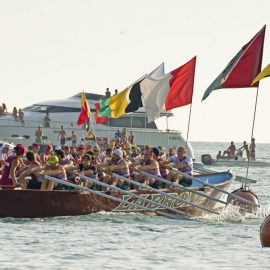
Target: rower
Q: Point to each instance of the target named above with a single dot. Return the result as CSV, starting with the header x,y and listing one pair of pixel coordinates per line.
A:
x,y
88,169
149,165
119,166
9,178
35,149
183,163
157,156
31,171
53,169
45,155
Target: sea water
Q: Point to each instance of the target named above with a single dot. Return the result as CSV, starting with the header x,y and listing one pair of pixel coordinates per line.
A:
x,y
135,241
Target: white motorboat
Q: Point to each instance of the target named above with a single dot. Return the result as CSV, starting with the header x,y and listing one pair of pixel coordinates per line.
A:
x,y
65,113
206,159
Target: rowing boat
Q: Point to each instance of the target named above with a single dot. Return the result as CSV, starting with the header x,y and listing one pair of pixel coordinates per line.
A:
x,y
208,160
42,203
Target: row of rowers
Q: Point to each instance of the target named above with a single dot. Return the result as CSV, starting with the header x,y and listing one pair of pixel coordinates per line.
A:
x,y
27,169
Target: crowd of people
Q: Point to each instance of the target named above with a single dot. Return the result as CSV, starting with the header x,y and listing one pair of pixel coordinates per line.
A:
x,y
27,167
18,115
233,153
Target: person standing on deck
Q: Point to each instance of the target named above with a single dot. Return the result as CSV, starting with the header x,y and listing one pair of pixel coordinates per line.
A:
x,y
73,139
4,107
21,117
15,114
62,135
231,150
131,138
252,148
39,134
47,120
246,148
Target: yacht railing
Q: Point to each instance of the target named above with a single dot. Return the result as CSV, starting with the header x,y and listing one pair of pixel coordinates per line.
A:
x,y
73,125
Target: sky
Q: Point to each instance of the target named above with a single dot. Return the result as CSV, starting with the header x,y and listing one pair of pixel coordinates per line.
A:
x,y
55,49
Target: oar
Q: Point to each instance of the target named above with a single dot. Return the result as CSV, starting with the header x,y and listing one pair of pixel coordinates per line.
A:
x,y
214,187
241,179
237,177
163,193
182,187
133,204
80,187
133,195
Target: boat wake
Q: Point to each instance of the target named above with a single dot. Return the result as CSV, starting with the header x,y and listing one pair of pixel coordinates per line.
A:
x,y
235,214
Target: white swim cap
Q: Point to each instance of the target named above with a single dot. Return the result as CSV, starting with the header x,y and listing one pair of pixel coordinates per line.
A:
x,y
118,152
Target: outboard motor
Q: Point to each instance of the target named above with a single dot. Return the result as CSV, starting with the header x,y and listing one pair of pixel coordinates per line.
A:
x,y
206,159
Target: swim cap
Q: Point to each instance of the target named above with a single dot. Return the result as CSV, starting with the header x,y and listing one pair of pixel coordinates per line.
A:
x,y
19,149
155,150
36,145
81,148
118,153
48,148
53,160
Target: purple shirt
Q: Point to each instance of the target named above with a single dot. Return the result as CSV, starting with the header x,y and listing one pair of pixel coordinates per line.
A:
x,y
188,169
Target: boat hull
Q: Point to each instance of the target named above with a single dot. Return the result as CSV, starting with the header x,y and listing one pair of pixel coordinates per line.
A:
x,y
37,203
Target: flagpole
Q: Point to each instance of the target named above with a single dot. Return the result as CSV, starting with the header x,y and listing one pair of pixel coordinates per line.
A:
x,y
167,124
252,131
189,117
94,133
145,130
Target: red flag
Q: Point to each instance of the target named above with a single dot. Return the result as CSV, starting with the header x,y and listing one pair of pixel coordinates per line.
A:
x,y
100,120
181,86
243,68
85,111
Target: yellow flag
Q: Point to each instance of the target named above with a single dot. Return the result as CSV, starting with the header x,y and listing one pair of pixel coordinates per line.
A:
x,y
263,74
89,135
118,103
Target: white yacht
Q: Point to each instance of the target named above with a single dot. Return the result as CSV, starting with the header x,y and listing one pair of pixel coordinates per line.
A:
x,y
65,113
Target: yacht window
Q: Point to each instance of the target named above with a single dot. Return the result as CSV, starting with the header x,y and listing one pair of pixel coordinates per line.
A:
x,y
120,122
130,122
139,122
43,108
33,108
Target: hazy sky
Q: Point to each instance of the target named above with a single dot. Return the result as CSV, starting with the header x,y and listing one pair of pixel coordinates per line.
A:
x,y
54,49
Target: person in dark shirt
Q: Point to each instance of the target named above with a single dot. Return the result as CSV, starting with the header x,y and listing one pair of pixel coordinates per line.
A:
x,y
88,169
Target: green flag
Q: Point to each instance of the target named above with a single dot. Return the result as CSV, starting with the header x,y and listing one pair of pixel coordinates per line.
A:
x,y
104,108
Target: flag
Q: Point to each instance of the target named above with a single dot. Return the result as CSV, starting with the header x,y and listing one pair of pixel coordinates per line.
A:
x,y
158,71
85,111
104,110
90,135
155,91
243,68
118,104
182,83
134,93
263,74
99,120
128,100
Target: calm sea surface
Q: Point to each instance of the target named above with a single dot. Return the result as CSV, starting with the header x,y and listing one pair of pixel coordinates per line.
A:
x,y
134,241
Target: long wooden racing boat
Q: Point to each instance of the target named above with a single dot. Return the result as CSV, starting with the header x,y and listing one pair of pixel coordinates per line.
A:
x,y
38,203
